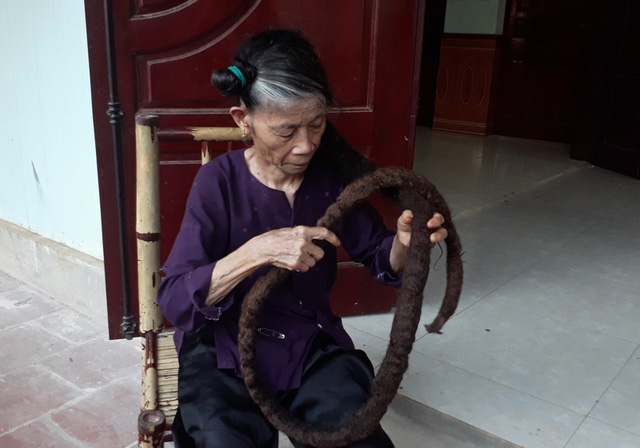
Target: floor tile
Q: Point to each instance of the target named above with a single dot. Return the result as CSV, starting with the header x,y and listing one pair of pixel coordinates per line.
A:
x,y
596,434
374,328
25,345
555,361
471,171
620,234
620,405
488,268
484,272
28,394
8,283
21,304
595,257
579,298
71,325
530,229
497,409
599,195
37,434
106,418
376,325
96,363
284,441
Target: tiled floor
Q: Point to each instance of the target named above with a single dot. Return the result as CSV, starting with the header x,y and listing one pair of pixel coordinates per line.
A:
x,y
543,352
62,383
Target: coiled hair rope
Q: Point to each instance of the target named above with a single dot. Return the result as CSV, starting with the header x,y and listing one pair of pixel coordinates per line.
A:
x,y
420,196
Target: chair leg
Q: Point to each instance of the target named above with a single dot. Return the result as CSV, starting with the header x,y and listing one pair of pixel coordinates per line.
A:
x,y
151,426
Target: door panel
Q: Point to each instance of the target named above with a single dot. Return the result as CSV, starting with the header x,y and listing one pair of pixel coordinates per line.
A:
x,y
538,68
608,108
161,68
433,28
620,150
165,52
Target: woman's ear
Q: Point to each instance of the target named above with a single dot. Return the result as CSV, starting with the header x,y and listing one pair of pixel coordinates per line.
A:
x,y
240,116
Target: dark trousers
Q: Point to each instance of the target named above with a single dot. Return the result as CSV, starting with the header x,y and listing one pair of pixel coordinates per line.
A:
x,y
216,410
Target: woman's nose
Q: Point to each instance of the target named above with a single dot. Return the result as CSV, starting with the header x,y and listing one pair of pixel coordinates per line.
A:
x,y
304,143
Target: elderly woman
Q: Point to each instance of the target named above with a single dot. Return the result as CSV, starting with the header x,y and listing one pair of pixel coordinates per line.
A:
x,y
255,208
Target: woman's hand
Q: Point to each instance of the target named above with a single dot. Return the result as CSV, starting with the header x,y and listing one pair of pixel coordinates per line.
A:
x,y
435,223
290,248
293,248
403,237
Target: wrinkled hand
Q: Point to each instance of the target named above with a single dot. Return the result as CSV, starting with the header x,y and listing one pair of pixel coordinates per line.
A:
x,y
404,228
293,248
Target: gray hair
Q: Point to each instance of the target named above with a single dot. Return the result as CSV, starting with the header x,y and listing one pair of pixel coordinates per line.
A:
x,y
277,66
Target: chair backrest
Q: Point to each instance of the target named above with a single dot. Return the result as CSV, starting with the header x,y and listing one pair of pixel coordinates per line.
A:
x,y
160,360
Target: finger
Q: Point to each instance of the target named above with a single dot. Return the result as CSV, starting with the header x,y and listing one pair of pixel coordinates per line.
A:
x,y
296,267
313,250
301,263
406,219
292,263
322,233
438,236
436,221
306,262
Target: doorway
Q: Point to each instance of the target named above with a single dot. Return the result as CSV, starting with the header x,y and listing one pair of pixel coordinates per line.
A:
x,y
569,73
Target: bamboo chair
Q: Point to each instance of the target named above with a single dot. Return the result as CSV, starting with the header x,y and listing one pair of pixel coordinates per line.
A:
x,y
160,360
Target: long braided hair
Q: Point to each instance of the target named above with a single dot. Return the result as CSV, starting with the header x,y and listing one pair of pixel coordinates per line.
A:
x,y
279,66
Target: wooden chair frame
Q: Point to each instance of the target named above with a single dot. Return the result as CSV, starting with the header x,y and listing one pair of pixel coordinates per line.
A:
x,y
159,361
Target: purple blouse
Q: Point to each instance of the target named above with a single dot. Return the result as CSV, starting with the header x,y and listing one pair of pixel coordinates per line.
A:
x,y
227,206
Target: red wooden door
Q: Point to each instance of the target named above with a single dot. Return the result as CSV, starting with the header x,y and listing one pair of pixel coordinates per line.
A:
x,y
165,51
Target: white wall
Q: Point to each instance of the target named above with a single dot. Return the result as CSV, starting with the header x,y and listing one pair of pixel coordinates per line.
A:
x,y
475,16
48,174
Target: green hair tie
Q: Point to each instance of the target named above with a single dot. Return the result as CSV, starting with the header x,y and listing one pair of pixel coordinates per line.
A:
x,y
236,71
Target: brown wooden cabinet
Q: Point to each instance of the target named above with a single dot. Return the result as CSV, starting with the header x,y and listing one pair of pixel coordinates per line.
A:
x,y
467,83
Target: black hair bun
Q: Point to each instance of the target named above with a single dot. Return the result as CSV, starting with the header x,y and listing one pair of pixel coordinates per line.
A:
x,y
228,83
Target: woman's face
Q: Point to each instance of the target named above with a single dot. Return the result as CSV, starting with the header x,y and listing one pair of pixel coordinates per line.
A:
x,y
286,137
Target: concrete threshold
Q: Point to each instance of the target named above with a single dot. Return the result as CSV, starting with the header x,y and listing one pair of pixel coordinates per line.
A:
x,y
413,425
